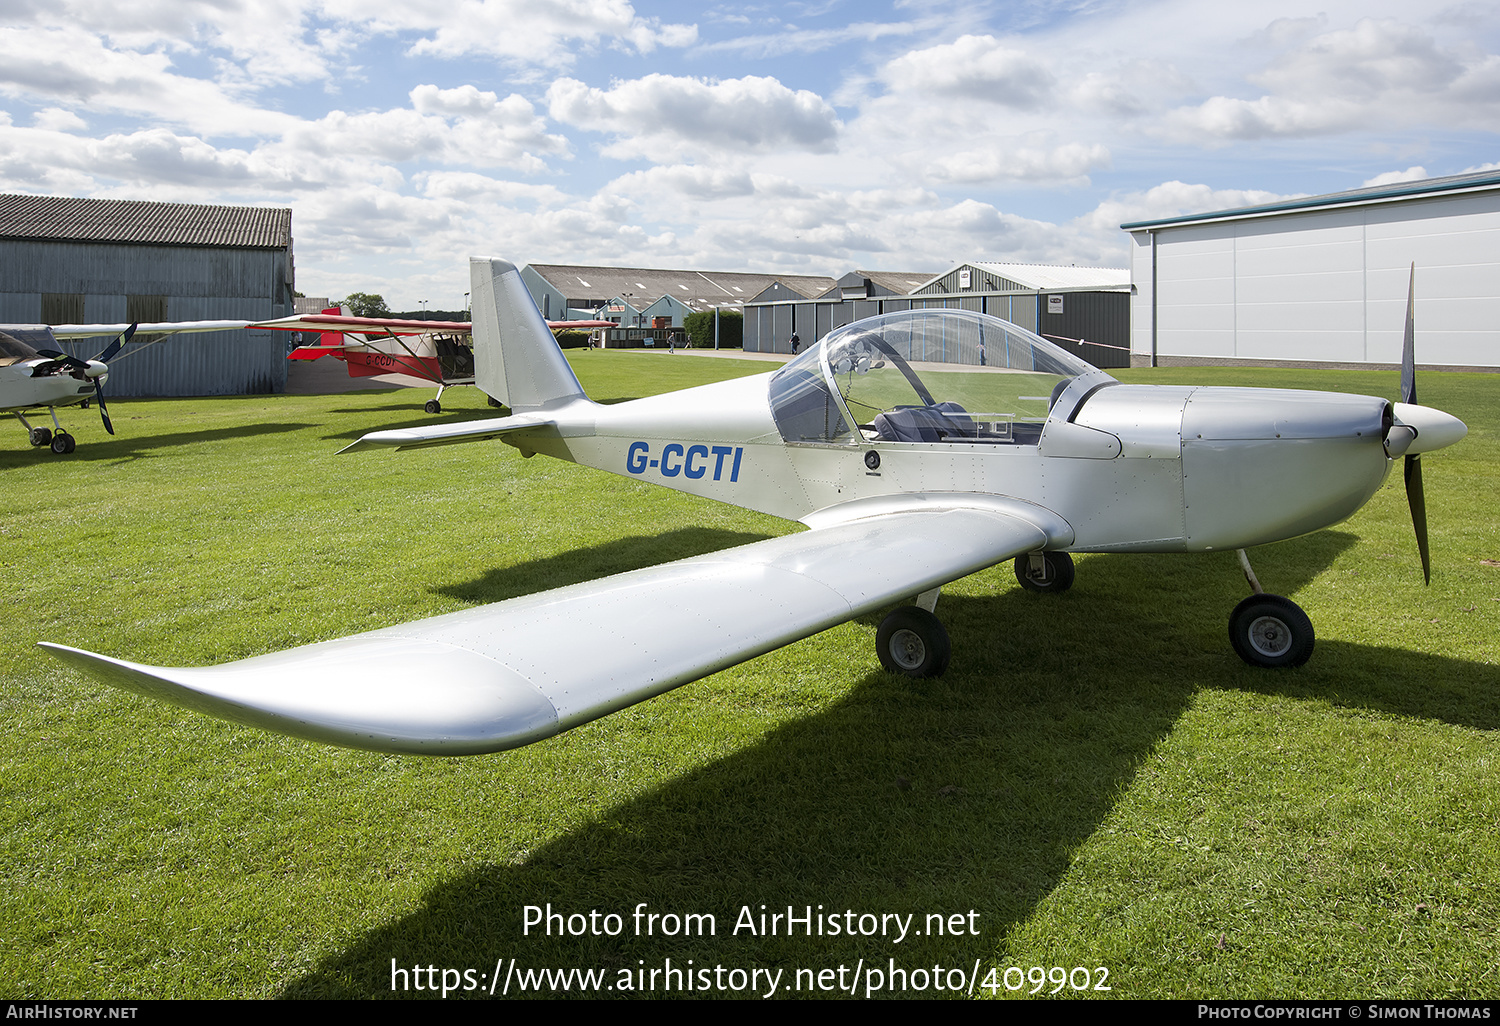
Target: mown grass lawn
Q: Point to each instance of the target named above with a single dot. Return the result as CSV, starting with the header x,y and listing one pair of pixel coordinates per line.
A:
x,y
1098,777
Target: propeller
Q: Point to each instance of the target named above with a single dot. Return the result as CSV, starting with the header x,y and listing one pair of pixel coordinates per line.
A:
x,y
95,370
98,376
1415,497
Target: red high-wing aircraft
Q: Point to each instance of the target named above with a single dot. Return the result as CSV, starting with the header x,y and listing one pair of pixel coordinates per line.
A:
x,y
441,352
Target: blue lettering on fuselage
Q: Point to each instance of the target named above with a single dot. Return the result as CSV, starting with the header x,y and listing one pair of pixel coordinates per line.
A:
x,y
693,461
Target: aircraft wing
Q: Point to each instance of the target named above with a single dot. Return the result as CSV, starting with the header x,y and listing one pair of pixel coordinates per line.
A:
x,y
505,675
394,325
299,322
164,328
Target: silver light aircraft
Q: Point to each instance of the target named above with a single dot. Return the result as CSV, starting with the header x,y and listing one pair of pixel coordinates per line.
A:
x,y
918,447
32,380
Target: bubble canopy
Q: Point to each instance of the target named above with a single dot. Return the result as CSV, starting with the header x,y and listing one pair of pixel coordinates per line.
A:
x,y
923,376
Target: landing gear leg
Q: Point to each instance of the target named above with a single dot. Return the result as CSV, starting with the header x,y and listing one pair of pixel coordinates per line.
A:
x,y
36,435
1269,630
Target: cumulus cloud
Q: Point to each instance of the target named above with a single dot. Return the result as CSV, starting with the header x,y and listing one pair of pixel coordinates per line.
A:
x,y
1069,163
1411,174
547,33
1169,199
974,67
69,66
1379,72
672,115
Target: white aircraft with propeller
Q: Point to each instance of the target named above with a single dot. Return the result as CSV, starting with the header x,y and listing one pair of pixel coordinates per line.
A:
x,y
917,447
32,380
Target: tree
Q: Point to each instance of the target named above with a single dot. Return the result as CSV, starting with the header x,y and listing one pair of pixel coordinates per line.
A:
x,y
700,329
365,304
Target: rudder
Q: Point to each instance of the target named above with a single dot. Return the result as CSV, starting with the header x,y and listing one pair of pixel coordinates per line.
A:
x,y
516,357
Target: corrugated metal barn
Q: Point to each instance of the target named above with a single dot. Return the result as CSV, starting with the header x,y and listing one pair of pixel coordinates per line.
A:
x,y
93,261
567,291
1085,310
1322,280
782,308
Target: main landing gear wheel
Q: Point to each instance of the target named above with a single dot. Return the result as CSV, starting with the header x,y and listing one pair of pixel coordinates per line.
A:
x,y
40,436
1056,576
1268,630
913,642
62,443
433,406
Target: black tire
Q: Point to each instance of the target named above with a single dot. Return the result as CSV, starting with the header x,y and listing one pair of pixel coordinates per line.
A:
x,y
62,443
913,642
496,403
433,406
41,436
1271,631
1057,573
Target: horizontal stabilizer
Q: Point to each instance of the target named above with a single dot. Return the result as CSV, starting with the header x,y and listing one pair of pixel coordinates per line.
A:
x,y
507,674
451,434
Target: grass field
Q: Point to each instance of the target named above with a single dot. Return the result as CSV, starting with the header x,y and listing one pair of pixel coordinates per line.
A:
x,y
1098,777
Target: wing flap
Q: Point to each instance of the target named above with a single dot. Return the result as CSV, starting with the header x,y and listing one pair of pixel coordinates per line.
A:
x,y
507,674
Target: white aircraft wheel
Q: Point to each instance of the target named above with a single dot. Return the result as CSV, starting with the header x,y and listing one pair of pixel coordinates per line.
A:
x,y
41,436
63,443
1057,572
1268,630
913,642
433,406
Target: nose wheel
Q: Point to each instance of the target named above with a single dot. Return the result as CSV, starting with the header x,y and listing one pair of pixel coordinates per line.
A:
x,y
1269,630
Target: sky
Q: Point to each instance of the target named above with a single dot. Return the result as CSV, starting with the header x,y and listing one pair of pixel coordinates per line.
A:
x,y
809,137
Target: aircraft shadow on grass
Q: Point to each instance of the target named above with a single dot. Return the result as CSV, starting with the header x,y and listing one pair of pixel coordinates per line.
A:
x,y
575,566
972,791
122,447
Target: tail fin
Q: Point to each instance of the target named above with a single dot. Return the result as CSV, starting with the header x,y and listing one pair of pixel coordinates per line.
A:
x,y
516,358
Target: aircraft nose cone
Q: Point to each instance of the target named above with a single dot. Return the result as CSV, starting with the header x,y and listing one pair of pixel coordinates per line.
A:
x,y
1435,429
96,370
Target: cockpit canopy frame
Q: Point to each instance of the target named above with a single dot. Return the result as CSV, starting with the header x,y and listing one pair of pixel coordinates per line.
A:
x,y
924,376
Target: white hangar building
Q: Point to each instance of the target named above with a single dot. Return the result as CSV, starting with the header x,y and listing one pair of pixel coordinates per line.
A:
x,y
1322,281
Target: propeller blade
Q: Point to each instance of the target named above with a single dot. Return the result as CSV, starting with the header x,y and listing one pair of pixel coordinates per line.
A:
x,y
118,344
1408,346
1417,500
103,413
1415,497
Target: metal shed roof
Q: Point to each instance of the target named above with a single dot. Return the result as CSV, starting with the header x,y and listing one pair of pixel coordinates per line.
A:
x,y
1043,277
1394,191
74,219
692,288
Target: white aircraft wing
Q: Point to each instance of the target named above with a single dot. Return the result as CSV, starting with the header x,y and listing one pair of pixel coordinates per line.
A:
x,y
505,675
164,328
